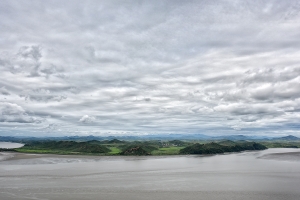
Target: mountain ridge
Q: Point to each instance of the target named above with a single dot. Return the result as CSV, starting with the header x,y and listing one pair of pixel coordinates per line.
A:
x,y
150,137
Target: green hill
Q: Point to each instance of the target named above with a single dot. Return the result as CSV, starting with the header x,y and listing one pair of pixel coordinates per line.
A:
x,y
227,143
63,147
115,141
137,149
214,148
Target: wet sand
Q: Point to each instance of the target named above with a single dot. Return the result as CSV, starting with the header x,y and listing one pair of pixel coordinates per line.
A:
x,y
18,156
247,175
289,156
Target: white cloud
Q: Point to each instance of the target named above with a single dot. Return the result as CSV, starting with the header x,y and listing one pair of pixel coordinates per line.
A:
x,y
189,67
11,109
11,112
86,119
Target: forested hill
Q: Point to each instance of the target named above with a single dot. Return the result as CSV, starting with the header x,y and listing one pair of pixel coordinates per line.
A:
x,y
214,148
153,147
63,147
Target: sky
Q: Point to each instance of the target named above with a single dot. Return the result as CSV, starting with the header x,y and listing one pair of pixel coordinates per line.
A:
x,y
136,67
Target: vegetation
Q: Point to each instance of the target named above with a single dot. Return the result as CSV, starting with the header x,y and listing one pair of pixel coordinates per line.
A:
x,y
151,147
63,147
281,144
114,151
135,150
167,151
214,148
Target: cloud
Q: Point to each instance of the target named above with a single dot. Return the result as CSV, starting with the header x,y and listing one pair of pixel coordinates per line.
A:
x,y
11,109
86,119
4,91
281,90
213,67
14,113
242,109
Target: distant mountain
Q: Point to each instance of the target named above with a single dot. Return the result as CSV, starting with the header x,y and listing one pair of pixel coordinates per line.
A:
x,y
7,139
18,139
162,137
240,137
171,137
232,137
289,137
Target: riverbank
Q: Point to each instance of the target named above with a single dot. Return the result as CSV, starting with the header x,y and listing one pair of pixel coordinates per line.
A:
x,y
271,154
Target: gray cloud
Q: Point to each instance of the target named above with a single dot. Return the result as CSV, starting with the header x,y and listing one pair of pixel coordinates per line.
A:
x,y
11,112
99,67
86,119
4,91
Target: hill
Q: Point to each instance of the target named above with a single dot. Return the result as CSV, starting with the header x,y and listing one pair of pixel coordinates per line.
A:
x,y
63,147
137,149
289,137
214,148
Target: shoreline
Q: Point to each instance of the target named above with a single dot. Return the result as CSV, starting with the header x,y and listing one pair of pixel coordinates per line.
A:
x,y
20,156
29,155
13,155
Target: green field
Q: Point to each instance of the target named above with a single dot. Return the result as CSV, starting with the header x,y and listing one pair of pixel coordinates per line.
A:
x,y
114,151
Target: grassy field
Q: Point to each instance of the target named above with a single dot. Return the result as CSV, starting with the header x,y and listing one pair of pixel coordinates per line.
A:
x,y
114,151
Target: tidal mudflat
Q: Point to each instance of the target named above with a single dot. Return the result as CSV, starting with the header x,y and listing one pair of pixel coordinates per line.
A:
x,y
271,174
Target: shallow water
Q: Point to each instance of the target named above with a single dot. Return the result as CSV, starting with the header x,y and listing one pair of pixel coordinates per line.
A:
x,y
10,145
258,175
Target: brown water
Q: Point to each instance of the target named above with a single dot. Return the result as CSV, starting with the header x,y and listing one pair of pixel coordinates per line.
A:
x,y
263,175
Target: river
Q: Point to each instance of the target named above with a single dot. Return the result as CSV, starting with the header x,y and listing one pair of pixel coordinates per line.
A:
x,y
272,174
10,145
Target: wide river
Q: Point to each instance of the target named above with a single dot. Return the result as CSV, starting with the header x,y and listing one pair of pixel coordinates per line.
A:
x,y
271,174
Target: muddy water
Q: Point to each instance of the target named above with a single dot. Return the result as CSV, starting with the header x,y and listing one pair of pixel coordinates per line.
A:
x,y
10,145
263,175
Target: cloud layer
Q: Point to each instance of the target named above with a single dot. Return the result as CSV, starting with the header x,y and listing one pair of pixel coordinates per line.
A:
x,y
142,67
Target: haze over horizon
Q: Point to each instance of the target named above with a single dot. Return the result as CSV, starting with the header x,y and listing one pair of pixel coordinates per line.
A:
x,y
149,67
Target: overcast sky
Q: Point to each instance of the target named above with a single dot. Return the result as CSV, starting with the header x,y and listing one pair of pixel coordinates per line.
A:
x,y
149,67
